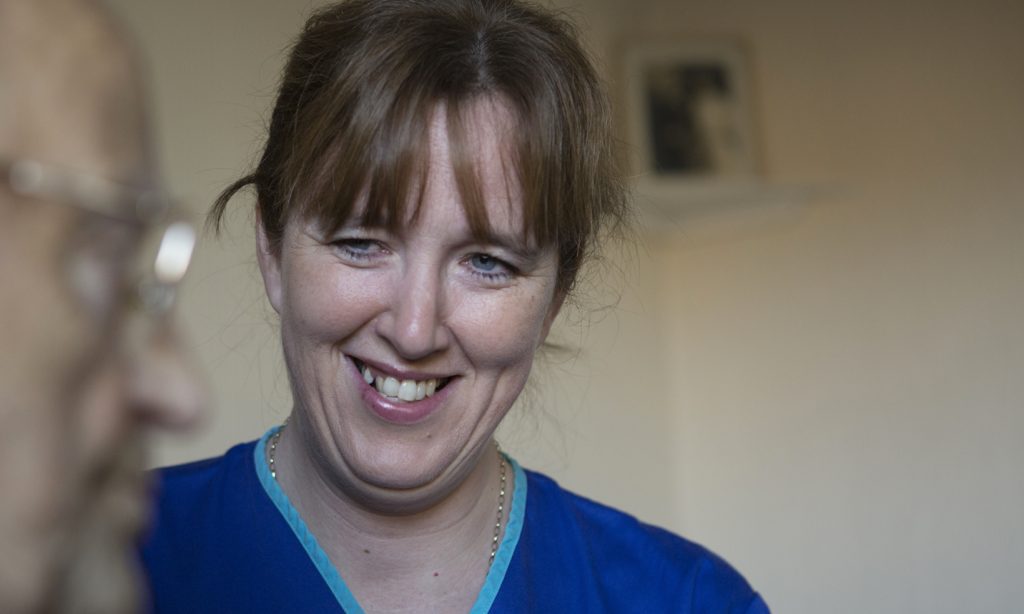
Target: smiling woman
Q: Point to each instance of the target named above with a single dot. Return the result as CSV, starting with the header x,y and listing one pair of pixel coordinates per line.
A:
x,y
427,302
434,176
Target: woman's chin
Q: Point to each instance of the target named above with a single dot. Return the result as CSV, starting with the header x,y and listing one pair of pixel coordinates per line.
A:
x,y
396,483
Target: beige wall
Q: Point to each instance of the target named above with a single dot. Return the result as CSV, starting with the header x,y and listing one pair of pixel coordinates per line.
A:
x,y
830,395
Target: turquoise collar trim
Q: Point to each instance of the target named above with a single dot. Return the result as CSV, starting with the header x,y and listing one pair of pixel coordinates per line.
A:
x,y
345,598
495,575
502,558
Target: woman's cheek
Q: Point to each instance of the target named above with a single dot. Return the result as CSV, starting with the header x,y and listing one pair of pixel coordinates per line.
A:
x,y
501,331
334,306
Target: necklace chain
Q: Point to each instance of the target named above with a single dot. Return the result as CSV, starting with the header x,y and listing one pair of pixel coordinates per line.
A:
x,y
273,448
501,505
501,491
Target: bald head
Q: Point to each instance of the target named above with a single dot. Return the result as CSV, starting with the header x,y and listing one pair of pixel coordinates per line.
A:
x,y
70,92
70,97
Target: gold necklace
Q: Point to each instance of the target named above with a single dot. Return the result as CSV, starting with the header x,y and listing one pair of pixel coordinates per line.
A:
x,y
501,491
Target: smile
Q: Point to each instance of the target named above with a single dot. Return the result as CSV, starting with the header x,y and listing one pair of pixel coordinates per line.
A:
x,y
403,390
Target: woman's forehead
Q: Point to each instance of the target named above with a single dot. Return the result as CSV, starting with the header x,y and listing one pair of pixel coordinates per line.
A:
x,y
469,159
472,150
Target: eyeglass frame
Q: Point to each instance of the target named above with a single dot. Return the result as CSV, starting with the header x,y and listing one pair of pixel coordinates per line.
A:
x,y
150,209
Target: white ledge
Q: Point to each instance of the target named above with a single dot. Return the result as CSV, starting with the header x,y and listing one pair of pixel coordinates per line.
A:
x,y
665,204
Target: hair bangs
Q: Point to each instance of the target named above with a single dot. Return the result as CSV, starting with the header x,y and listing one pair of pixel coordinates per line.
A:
x,y
349,138
374,183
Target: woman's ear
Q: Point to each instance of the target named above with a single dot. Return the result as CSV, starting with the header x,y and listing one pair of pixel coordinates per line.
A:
x,y
553,310
270,264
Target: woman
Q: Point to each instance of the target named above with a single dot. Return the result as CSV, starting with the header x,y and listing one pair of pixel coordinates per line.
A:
x,y
434,176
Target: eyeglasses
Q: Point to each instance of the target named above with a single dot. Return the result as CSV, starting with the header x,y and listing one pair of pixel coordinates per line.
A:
x,y
168,240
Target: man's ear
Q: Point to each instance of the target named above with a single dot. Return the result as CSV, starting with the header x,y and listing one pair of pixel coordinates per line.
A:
x,y
270,264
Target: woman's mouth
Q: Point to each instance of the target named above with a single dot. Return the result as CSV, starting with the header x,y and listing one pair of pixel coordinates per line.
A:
x,y
400,390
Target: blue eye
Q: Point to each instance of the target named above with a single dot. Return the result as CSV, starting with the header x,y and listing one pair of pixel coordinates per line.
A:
x,y
484,263
490,269
359,249
358,245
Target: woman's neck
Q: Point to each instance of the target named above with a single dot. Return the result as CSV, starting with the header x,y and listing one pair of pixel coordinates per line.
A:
x,y
433,559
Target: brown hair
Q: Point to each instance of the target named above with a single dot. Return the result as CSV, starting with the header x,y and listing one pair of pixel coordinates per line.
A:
x,y
354,105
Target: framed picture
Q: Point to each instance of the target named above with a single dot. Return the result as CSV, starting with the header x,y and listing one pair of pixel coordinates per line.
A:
x,y
689,112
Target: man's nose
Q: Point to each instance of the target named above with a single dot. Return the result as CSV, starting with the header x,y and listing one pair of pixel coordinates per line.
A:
x,y
165,386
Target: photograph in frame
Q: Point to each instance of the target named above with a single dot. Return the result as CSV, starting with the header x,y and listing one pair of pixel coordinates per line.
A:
x,y
689,111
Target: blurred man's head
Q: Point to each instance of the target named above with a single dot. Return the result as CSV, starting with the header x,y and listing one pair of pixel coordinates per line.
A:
x,y
83,369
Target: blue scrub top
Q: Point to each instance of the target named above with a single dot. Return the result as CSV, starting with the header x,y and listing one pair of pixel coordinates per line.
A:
x,y
226,539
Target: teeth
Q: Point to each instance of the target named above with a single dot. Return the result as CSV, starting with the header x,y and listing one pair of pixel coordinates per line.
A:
x,y
407,390
404,390
391,386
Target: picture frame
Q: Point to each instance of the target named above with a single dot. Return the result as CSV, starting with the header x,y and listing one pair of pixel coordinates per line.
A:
x,y
689,116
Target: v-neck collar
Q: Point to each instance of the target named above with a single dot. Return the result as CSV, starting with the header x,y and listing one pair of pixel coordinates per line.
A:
x,y
347,601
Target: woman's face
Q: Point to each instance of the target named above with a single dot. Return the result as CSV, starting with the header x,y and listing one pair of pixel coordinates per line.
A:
x,y
406,350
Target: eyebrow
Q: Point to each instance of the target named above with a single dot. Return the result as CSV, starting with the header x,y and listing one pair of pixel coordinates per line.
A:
x,y
513,243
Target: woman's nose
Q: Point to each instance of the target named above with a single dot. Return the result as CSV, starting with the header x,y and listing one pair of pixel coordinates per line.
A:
x,y
414,320
165,387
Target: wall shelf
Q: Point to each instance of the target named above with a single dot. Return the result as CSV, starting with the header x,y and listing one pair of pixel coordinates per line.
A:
x,y
664,205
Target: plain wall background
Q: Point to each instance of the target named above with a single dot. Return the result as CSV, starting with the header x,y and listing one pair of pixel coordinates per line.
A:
x,y
829,394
